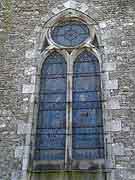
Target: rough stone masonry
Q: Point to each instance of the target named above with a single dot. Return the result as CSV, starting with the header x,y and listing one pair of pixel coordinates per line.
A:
x,y
21,23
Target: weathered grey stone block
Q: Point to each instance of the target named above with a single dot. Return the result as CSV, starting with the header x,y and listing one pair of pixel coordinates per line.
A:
x,y
111,66
113,103
102,25
3,35
84,7
28,88
118,149
109,164
27,150
25,164
23,128
116,125
111,84
25,99
30,54
16,175
70,4
2,126
30,71
55,10
33,79
19,152
108,126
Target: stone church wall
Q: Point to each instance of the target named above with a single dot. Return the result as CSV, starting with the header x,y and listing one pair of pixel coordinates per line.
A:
x,y
21,24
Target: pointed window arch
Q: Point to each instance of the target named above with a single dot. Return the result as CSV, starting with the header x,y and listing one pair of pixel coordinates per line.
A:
x,y
51,125
87,108
69,127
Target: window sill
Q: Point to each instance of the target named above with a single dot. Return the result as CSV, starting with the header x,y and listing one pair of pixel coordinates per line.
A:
x,y
77,165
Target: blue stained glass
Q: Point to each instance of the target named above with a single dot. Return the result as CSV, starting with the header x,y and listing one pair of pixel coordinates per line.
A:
x,y
53,119
86,83
85,154
52,101
86,95
54,84
85,67
87,110
89,57
59,97
53,131
49,155
55,64
46,106
87,130
84,118
85,141
70,33
87,63
50,135
86,105
51,141
53,69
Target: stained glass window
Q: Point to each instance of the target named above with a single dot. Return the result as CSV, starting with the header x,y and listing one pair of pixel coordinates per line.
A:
x,y
87,111
69,125
70,33
50,137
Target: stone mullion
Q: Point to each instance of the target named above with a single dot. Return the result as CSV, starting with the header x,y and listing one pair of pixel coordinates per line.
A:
x,y
68,149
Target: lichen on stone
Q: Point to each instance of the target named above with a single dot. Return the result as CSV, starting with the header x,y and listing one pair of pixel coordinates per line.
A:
x,y
7,13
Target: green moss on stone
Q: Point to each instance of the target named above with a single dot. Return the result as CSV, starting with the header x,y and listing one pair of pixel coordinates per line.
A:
x,y
7,15
66,176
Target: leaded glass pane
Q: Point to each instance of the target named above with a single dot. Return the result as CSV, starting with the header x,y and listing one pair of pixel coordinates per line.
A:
x,y
81,154
50,137
70,33
87,110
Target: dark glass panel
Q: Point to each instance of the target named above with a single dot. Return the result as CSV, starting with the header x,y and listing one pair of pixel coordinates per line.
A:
x,y
50,134
50,140
89,96
49,155
86,154
84,118
52,119
85,141
56,97
86,83
70,33
87,110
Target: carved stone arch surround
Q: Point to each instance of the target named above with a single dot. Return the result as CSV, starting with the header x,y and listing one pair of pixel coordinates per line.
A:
x,y
40,57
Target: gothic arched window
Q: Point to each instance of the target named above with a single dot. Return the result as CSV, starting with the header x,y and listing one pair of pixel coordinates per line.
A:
x,y
69,126
51,126
87,111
